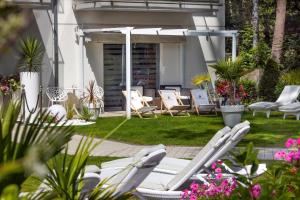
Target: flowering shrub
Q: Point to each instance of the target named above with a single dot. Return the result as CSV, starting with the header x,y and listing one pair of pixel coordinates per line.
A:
x,y
246,91
225,90
9,84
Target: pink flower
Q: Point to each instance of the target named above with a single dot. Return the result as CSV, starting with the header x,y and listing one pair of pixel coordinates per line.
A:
x,y
290,142
185,194
220,162
298,141
279,155
255,191
218,170
194,187
219,176
289,157
214,165
297,155
193,197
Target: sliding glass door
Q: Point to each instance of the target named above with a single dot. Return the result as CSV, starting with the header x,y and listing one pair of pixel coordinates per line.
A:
x,y
145,60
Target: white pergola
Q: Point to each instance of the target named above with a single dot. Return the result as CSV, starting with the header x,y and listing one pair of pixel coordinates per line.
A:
x,y
128,31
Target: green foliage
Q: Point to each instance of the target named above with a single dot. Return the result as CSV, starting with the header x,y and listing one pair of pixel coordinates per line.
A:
x,y
25,147
70,110
231,71
12,19
269,81
256,57
247,156
250,89
31,55
86,114
288,78
291,55
65,178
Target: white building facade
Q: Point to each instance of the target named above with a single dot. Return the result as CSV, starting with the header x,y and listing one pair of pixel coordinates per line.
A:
x,y
156,60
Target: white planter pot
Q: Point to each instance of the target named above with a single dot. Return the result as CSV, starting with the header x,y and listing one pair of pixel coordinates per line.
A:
x,y
232,115
94,110
31,83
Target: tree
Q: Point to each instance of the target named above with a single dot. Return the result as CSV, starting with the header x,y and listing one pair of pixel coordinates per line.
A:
x,y
255,22
279,30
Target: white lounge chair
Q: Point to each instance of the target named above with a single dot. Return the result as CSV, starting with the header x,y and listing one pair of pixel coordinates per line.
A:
x,y
289,95
290,109
138,105
171,101
200,101
168,186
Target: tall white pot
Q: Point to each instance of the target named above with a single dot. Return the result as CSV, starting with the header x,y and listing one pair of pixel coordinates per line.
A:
x,y
31,83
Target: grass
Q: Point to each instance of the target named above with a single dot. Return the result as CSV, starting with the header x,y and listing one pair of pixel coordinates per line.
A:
x,y
192,131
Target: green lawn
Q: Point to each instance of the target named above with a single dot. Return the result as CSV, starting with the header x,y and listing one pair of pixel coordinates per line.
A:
x,y
191,131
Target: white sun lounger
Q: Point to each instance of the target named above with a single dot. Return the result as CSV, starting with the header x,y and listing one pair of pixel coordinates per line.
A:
x,y
119,182
138,105
200,101
171,101
167,186
291,109
289,95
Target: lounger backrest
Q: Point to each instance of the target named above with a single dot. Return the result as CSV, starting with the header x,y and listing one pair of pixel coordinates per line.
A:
x,y
169,98
200,97
289,94
136,100
232,142
176,89
200,159
132,176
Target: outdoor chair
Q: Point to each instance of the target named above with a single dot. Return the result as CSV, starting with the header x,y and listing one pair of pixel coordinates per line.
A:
x,y
56,95
119,182
291,109
171,101
289,95
139,105
201,102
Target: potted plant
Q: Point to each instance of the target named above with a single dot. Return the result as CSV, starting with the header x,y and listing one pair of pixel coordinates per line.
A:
x,y
229,73
31,55
92,100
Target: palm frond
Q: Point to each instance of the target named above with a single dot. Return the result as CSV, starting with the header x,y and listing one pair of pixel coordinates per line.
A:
x,y
17,140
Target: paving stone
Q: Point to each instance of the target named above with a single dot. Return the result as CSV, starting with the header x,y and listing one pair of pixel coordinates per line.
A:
x,y
119,149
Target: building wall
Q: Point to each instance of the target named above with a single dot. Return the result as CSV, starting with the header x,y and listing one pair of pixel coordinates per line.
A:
x,y
181,57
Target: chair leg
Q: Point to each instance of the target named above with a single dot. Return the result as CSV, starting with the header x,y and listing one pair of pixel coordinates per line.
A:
x,y
268,114
254,112
284,116
297,116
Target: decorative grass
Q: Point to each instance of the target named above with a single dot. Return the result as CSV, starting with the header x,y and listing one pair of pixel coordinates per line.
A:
x,y
192,131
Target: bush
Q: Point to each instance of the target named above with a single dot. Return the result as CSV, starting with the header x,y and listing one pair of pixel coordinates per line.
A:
x,y
269,81
250,89
288,78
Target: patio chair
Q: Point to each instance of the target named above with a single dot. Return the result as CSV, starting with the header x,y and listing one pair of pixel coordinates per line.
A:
x,y
56,95
138,105
171,101
291,109
122,181
200,101
289,95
